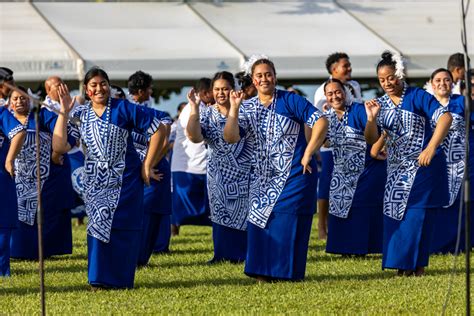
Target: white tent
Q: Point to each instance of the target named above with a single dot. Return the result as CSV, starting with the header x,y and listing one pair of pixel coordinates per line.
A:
x,y
184,41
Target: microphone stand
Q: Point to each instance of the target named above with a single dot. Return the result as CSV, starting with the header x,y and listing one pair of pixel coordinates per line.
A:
x,y
467,184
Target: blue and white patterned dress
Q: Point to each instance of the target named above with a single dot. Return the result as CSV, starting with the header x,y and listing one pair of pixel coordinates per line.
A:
x,y
55,182
356,192
228,181
412,193
9,127
454,146
113,189
282,198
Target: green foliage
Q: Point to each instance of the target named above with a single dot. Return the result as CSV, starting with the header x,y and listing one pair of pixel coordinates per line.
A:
x,y
182,282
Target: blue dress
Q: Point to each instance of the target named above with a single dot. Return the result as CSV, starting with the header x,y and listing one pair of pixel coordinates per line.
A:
x,y
413,194
9,127
56,194
113,190
228,181
282,198
156,198
447,218
357,187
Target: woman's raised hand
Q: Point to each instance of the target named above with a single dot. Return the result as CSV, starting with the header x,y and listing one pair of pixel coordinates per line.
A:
x,y
372,108
67,103
236,98
193,98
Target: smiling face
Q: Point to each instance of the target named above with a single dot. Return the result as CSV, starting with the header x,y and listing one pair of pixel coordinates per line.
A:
x,y
442,84
19,103
390,83
264,79
342,70
98,90
221,91
335,95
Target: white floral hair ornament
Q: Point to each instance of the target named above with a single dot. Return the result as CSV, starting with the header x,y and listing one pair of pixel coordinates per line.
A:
x,y
247,66
399,65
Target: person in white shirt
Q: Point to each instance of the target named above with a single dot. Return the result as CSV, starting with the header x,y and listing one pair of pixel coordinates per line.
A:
x,y
339,67
188,169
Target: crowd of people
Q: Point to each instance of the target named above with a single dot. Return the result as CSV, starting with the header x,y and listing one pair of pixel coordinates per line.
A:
x,y
241,156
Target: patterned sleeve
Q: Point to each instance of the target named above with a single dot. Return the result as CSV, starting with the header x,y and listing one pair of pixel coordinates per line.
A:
x,y
204,114
303,109
142,119
10,125
430,106
163,117
49,118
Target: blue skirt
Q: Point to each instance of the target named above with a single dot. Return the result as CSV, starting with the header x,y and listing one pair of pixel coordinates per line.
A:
x,y
162,243
190,202
358,234
229,244
113,264
77,161
406,243
152,223
327,165
280,250
5,234
57,237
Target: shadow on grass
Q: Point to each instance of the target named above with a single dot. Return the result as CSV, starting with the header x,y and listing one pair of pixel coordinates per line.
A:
x,y
244,281
333,257
169,265
190,251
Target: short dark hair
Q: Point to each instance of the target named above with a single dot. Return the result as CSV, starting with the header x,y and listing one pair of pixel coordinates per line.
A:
x,y
120,92
334,58
437,71
244,80
455,60
203,84
225,75
264,61
94,72
139,80
9,73
181,105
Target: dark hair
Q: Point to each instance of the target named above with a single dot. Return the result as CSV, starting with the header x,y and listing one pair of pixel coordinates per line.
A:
x,y
181,105
244,80
266,62
225,75
334,58
9,73
18,88
386,60
120,92
333,80
203,84
94,72
437,71
455,60
139,80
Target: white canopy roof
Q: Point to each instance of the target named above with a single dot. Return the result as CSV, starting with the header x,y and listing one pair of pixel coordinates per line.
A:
x,y
183,41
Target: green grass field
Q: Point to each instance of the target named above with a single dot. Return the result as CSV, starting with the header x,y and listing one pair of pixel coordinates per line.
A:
x,y
181,282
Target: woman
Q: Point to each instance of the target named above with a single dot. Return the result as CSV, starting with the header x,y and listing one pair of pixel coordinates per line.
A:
x,y
157,196
283,188
446,224
56,188
357,181
228,169
113,187
416,174
12,135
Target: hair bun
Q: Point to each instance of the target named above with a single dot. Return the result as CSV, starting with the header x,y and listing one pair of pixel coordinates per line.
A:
x,y
387,55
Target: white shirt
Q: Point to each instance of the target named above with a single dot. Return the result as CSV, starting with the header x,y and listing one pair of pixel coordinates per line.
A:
x,y
187,156
320,99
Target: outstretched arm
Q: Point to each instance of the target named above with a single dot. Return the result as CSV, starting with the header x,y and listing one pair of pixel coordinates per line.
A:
x,y
16,143
440,132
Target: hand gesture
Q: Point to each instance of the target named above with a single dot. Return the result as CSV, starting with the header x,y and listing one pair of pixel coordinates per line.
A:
x,y
156,175
236,98
67,103
57,159
193,98
372,108
305,162
10,168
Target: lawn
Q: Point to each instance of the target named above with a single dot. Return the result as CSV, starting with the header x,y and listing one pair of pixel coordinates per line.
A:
x,y
182,282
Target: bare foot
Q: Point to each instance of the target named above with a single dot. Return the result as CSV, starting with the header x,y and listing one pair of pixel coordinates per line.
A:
x,y
400,272
262,279
174,230
420,271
